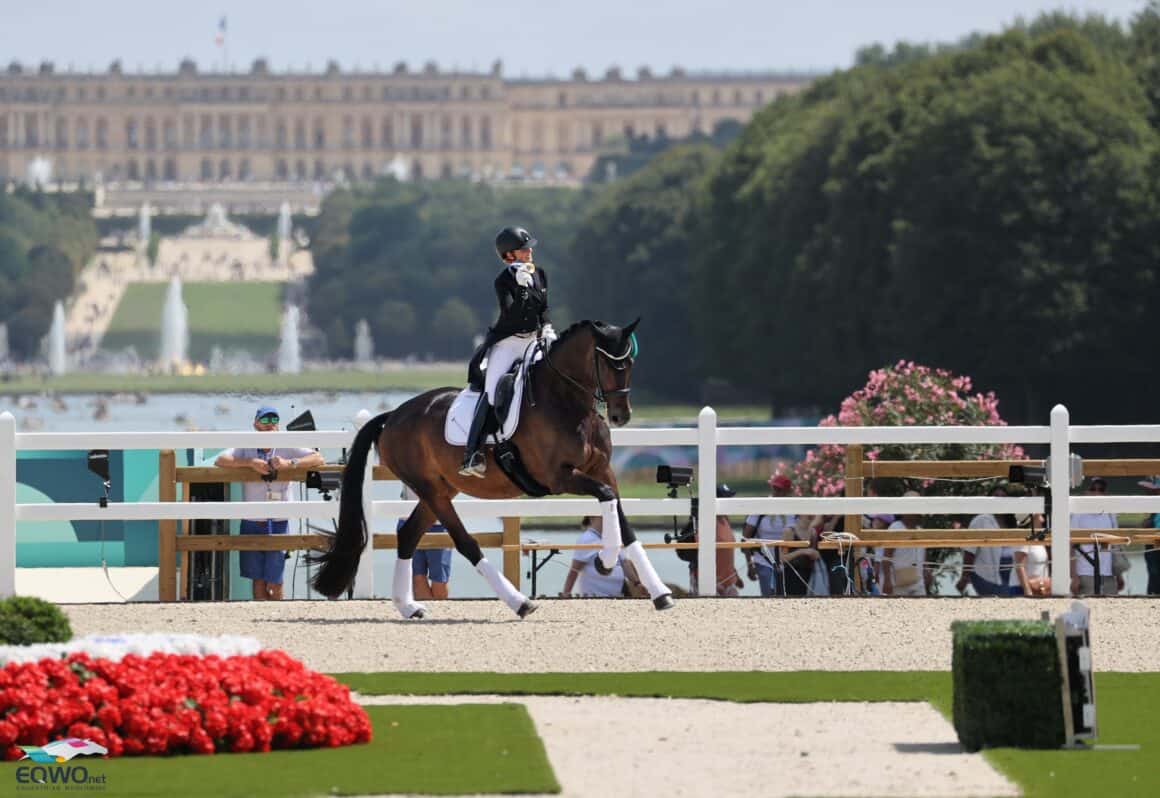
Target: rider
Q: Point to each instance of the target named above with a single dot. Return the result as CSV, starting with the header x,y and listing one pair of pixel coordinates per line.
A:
x,y
522,291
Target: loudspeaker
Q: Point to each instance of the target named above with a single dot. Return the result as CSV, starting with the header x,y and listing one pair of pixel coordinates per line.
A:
x,y
209,571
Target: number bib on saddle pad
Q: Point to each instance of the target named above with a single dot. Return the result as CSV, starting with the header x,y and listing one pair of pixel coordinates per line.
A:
x,y
462,410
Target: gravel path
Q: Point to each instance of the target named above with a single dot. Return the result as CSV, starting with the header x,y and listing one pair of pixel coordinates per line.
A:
x,y
772,750
605,635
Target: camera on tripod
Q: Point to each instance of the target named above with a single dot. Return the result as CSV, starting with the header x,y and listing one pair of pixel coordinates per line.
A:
x,y
325,482
676,477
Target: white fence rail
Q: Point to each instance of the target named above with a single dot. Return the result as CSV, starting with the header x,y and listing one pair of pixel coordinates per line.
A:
x,y
707,437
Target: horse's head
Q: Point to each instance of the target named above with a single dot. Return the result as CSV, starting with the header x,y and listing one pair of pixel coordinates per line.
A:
x,y
607,357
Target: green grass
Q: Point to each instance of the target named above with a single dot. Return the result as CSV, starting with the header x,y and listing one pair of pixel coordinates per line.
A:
x,y
411,378
230,315
438,750
687,413
1127,706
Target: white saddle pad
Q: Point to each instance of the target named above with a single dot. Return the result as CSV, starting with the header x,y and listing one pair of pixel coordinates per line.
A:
x,y
462,410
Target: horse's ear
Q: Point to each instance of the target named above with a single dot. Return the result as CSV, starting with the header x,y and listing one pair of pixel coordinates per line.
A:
x,y
632,327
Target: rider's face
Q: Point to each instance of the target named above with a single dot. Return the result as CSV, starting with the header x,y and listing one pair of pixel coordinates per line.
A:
x,y
522,255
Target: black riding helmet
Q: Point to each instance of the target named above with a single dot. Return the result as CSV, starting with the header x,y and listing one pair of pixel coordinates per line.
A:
x,y
510,239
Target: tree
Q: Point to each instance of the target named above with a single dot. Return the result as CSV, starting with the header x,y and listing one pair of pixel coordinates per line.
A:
x,y
453,327
635,244
990,208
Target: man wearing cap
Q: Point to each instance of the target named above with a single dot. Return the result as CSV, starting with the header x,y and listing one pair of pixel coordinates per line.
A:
x,y
265,567
761,564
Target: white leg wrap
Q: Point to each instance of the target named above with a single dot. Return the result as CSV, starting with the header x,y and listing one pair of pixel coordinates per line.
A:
x,y
610,537
402,593
644,569
500,584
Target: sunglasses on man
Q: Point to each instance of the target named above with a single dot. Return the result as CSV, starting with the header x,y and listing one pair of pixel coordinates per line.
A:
x,y
268,419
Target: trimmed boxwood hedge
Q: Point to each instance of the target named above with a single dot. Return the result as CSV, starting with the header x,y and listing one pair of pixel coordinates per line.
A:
x,y
1007,685
25,620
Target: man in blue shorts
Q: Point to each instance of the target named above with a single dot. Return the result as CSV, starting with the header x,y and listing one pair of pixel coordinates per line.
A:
x,y
265,567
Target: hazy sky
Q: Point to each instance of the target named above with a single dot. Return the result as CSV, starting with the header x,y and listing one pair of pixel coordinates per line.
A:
x,y
532,38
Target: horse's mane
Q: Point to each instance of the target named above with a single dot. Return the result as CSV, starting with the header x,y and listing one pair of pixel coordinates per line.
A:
x,y
573,329
598,329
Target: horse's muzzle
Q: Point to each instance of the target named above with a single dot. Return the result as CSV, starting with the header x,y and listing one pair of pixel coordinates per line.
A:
x,y
618,418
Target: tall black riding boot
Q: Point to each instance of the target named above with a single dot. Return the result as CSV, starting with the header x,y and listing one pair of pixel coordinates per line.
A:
x,y
474,463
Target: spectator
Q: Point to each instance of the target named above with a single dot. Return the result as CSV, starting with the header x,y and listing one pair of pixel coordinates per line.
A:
x,y
1152,552
834,562
761,564
430,568
904,571
1086,555
265,567
727,581
797,565
988,568
583,570
869,576
1031,561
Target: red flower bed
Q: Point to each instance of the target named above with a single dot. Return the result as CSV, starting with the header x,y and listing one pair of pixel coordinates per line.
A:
x,y
176,704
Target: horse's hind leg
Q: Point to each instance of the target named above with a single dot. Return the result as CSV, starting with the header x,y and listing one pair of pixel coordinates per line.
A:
x,y
402,590
469,548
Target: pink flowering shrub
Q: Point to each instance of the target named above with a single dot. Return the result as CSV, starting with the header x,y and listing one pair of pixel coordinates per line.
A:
x,y
906,394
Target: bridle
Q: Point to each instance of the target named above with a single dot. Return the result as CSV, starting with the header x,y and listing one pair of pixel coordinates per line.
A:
x,y
618,363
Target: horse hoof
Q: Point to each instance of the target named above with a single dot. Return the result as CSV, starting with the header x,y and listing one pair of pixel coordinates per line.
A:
x,y
664,602
598,564
418,615
527,608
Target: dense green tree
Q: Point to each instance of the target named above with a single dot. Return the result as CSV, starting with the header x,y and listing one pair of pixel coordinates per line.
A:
x,y
635,244
990,210
44,241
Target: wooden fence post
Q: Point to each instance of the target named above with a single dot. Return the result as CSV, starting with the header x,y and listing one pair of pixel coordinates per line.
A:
x,y
167,530
511,556
854,484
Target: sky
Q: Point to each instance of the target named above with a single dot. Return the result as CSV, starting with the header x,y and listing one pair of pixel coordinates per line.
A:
x,y
533,39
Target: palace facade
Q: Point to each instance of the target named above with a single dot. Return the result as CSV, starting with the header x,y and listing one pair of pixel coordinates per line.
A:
x,y
192,126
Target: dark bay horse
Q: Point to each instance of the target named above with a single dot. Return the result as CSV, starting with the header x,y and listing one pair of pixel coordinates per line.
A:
x,y
564,442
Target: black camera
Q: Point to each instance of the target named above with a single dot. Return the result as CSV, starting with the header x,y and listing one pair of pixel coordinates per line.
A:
x,y
674,476
1032,476
325,482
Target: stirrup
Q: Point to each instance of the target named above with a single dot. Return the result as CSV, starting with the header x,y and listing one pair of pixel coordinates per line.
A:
x,y
474,466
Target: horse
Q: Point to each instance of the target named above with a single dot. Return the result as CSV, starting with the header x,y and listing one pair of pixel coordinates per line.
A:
x,y
565,445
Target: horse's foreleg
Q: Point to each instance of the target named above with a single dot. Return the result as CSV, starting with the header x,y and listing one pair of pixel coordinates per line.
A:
x,y
611,515
402,587
466,545
658,591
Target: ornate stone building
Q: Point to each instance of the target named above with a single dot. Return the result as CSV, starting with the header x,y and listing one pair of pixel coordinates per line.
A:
x,y
191,126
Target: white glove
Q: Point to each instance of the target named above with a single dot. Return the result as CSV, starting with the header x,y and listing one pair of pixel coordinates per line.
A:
x,y
524,278
548,333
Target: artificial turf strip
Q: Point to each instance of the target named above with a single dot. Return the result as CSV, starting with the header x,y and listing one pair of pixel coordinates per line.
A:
x,y
743,686
434,750
1127,707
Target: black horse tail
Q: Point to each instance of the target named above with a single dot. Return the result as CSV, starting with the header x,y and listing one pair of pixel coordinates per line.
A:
x,y
338,565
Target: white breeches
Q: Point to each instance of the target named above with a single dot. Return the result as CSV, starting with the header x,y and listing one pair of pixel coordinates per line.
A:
x,y
500,358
